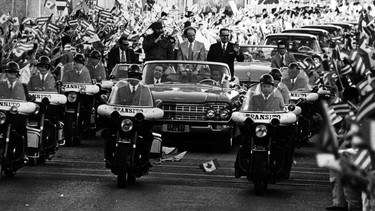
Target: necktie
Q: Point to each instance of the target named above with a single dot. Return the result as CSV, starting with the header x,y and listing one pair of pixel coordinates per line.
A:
x,y
282,61
11,88
42,79
123,58
224,45
292,83
133,89
157,81
190,52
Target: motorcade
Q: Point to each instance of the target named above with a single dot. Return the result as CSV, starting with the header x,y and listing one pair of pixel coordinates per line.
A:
x,y
79,112
13,135
347,27
196,99
265,154
336,31
45,129
323,35
129,119
301,45
257,62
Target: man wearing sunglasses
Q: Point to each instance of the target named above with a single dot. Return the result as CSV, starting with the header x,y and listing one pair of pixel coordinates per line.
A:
x,y
43,80
121,53
225,51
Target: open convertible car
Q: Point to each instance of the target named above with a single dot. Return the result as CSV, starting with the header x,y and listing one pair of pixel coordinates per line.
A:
x,y
196,99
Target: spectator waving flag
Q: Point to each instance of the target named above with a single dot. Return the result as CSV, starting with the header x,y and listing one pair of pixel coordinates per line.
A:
x,y
367,107
210,166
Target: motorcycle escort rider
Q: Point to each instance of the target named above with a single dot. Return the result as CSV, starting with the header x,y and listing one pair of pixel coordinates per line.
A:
x,y
138,94
12,88
95,67
76,71
43,80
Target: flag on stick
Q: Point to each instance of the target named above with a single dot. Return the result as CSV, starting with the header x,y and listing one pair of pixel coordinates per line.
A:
x,y
328,137
49,4
210,166
175,158
61,4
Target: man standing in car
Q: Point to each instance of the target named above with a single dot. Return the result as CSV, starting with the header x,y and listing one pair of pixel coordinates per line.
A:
x,y
156,45
120,54
282,58
225,52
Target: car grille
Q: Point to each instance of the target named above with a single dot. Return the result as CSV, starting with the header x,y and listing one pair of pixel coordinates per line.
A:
x,y
189,112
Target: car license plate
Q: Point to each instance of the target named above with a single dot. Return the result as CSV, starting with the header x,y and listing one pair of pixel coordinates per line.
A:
x,y
177,128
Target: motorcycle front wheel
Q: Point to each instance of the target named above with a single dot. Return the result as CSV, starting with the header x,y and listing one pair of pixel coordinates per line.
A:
x,y
69,128
122,165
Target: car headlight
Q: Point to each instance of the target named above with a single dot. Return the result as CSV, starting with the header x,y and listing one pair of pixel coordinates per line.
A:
x,y
224,113
210,113
126,125
3,118
13,110
72,97
261,131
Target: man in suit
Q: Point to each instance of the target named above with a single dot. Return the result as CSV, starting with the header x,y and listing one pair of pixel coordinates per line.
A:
x,y
294,80
157,46
95,67
266,100
191,49
225,52
134,93
43,80
11,88
120,54
77,72
282,58
159,75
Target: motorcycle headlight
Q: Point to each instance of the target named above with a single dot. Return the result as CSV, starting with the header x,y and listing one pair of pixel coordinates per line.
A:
x,y
261,131
210,113
13,110
37,109
82,90
72,97
3,118
126,125
224,114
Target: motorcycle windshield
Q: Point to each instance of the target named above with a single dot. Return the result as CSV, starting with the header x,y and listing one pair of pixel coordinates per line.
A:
x,y
131,92
256,101
295,79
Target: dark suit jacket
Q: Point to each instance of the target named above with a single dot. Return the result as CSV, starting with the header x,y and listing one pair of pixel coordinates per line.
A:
x,y
18,91
276,60
299,84
273,103
215,54
114,58
140,97
35,83
72,76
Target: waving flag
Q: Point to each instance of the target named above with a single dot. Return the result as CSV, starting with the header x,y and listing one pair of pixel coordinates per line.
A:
x,y
210,166
20,48
328,137
367,107
61,4
53,28
4,18
49,4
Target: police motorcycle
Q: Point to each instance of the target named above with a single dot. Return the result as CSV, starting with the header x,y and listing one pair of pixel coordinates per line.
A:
x,y
128,135
13,119
45,130
265,155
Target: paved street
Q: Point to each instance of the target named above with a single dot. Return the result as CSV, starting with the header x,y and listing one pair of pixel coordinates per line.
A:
x,y
76,179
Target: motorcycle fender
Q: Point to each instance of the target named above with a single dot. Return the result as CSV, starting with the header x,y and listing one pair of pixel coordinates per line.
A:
x,y
33,138
124,141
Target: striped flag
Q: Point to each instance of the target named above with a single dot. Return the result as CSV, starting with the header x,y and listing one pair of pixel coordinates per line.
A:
x,y
41,20
367,107
328,137
341,109
84,24
53,28
73,22
362,159
105,14
61,4
333,117
364,86
20,48
98,8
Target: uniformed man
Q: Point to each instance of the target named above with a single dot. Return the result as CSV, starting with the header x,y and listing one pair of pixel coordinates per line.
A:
x,y
95,67
43,80
11,88
76,71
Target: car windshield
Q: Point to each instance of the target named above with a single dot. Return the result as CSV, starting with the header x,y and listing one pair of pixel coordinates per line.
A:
x,y
131,92
254,97
295,43
120,71
258,53
185,72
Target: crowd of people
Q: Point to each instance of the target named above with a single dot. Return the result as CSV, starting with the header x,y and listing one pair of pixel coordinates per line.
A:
x,y
89,42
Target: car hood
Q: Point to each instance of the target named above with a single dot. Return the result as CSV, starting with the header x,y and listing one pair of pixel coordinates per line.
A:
x,y
256,69
192,93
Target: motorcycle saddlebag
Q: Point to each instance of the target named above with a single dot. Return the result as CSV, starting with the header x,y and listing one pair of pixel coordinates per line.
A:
x,y
156,147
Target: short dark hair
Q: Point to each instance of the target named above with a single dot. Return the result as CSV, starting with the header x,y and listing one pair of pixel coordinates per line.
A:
x,y
123,38
280,43
189,28
223,29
